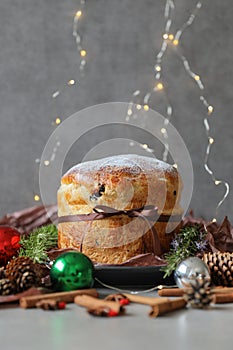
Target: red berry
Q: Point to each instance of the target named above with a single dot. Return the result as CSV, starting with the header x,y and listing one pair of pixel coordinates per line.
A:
x,y
61,305
112,313
124,302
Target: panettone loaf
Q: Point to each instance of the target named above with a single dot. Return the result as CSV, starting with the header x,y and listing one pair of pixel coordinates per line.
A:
x,y
122,182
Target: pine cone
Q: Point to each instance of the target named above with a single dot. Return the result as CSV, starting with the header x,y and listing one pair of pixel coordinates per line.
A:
x,y
199,294
221,268
6,287
23,273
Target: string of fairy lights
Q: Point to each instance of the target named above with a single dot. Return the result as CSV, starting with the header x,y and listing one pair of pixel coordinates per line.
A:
x,y
70,83
170,40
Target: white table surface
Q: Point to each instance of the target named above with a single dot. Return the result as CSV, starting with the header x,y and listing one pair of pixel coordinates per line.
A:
x,y
73,328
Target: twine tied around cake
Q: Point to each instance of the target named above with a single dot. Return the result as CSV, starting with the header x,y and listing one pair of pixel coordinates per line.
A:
x,y
148,213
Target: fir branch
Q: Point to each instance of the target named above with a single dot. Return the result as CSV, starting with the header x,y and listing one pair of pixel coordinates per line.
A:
x,y
36,244
188,242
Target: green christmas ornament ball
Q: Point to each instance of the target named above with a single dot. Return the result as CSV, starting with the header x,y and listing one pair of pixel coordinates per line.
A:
x,y
71,271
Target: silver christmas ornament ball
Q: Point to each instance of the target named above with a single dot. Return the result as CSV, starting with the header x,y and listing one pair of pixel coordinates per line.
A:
x,y
189,270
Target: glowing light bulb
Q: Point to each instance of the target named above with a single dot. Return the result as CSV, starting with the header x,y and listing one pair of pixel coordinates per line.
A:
x,y
196,77
158,68
129,112
145,146
210,109
36,198
175,42
78,14
58,121
146,107
46,162
211,140
71,82
217,182
163,131
171,37
159,86
165,36
138,107
83,53
214,220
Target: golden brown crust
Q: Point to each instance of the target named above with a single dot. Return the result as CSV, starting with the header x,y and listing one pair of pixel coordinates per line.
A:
x,y
69,236
121,182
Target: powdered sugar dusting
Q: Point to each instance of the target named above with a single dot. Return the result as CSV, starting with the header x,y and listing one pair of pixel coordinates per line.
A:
x,y
131,163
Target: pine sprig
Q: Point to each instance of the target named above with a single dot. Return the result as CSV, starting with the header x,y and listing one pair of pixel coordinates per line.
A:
x,y
188,242
36,244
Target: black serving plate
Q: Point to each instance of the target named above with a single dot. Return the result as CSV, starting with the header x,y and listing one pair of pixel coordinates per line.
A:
x,y
137,276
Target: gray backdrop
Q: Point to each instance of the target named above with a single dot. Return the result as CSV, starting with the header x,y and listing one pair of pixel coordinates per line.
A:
x,y
38,56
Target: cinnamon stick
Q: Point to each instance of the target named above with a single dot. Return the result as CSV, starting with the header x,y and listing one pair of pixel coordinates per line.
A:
x,y
92,303
68,297
223,298
178,292
144,300
171,292
14,298
167,306
222,290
